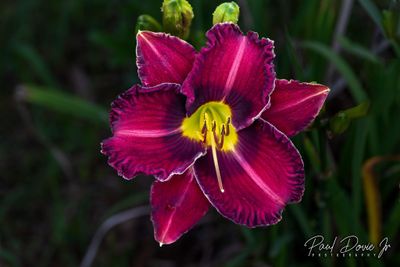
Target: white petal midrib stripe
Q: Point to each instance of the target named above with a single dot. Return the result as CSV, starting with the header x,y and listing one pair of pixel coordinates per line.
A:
x,y
147,133
256,178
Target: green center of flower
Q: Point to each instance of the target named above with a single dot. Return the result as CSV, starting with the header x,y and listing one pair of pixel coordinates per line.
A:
x,y
211,124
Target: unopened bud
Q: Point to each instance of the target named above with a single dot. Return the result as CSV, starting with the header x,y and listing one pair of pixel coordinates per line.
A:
x,y
226,12
177,17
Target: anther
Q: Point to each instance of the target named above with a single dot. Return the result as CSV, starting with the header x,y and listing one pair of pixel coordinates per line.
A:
x,y
227,126
221,142
214,126
204,132
204,129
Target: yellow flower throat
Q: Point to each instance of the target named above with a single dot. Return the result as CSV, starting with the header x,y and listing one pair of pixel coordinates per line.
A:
x,y
211,125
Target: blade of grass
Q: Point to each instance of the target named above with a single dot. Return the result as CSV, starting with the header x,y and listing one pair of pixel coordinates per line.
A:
x,y
240,259
301,218
360,139
63,103
345,219
36,64
337,198
358,50
341,65
327,230
372,11
298,70
372,200
130,201
106,226
392,225
312,154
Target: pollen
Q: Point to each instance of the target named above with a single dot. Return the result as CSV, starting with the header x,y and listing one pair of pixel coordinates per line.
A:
x,y
211,125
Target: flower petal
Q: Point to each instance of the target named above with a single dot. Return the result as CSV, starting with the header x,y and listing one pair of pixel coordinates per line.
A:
x,y
177,205
146,133
262,175
294,105
233,68
162,58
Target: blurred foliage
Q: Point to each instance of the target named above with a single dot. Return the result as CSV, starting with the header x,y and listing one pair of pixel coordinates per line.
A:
x,y
63,62
341,121
148,23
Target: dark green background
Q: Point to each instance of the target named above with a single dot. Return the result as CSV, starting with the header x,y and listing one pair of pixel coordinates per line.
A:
x,y
63,62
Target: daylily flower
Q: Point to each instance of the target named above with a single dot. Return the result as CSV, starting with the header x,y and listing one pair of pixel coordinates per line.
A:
x,y
213,128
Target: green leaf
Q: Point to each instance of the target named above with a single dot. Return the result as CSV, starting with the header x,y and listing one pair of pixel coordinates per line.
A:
x,y
341,121
312,154
389,21
341,65
345,219
372,11
291,52
302,220
358,154
392,225
36,64
62,102
358,50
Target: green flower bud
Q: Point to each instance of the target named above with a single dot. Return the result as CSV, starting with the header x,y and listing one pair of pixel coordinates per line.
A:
x,y
226,12
147,23
341,121
177,17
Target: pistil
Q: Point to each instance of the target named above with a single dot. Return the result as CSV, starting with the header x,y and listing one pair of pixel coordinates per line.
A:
x,y
216,165
214,143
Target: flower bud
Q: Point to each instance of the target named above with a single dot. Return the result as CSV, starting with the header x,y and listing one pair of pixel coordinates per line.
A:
x,y
226,12
147,23
177,17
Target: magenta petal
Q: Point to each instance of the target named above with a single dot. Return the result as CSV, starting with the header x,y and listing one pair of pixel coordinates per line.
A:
x,y
233,68
262,175
177,205
146,133
162,58
294,105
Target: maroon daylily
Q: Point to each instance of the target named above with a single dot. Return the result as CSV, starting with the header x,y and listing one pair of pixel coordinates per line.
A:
x,y
212,127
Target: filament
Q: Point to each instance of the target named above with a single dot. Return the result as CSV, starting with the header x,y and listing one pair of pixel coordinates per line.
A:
x,y
221,141
216,165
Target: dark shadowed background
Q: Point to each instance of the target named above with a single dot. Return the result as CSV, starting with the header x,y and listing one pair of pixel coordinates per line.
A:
x,y
63,62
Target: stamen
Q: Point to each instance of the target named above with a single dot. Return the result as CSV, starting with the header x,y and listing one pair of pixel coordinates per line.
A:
x,y
227,126
204,132
221,141
214,127
216,166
